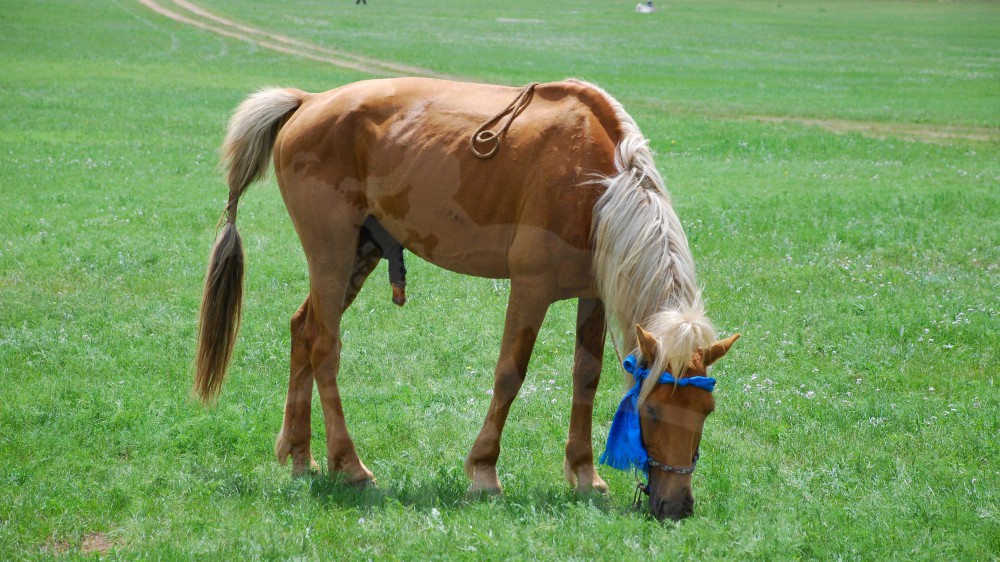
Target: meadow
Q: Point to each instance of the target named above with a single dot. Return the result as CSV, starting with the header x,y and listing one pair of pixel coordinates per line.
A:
x,y
836,165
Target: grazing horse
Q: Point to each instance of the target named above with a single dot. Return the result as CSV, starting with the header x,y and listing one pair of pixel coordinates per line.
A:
x,y
565,201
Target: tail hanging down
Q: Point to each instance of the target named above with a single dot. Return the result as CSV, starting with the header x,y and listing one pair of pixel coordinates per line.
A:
x,y
246,153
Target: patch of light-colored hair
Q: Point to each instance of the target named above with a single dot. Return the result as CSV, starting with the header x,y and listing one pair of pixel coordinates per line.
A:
x,y
643,268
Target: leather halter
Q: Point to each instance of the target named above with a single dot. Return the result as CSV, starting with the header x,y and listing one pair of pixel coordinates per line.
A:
x,y
676,470
644,488
653,463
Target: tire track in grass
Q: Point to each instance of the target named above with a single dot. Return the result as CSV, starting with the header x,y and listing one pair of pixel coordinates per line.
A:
x,y
938,134
191,14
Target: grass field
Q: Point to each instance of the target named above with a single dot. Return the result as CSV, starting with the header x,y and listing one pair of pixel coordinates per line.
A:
x,y
836,166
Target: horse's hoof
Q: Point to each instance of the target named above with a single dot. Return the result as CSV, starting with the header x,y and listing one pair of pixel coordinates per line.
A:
x,y
303,463
282,449
483,492
305,470
362,483
586,481
484,480
596,488
599,485
351,472
360,478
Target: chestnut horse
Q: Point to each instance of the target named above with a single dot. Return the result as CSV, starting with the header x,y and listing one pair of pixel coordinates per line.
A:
x,y
570,205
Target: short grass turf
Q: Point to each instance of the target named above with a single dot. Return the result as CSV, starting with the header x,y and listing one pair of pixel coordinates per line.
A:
x,y
857,417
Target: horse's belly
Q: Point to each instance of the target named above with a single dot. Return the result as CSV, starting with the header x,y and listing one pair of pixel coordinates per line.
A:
x,y
459,246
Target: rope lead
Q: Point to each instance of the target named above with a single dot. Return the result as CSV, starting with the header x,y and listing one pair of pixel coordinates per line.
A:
x,y
483,135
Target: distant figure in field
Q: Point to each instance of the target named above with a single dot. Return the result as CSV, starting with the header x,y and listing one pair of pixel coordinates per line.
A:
x,y
646,8
365,2
375,238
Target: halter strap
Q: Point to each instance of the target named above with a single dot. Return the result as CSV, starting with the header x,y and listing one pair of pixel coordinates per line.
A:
x,y
667,468
643,487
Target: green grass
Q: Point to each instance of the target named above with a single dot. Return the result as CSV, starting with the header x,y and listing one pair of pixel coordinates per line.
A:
x,y
914,62
857,418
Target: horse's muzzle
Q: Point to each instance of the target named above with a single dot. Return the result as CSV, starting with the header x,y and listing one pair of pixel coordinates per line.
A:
x,y
674,510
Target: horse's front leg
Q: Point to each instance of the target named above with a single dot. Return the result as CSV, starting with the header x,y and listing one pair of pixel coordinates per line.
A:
x,y
526,309
578,467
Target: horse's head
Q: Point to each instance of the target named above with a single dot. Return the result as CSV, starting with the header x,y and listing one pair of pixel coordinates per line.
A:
x,y
672,418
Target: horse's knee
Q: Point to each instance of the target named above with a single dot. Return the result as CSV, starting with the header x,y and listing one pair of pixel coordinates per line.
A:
x,y
587,375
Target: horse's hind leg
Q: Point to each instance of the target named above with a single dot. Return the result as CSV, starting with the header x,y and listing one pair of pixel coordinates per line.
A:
x,y
578,467
324,354
366,260
296,429
329,231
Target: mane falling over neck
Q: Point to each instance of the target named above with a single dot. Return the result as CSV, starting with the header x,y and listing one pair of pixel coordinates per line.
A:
x,y
644,270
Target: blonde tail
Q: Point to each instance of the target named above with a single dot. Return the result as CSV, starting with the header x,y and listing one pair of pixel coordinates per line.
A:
x,y
246,152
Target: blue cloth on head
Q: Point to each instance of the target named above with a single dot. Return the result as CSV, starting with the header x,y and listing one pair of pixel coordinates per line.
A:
x,y
625,449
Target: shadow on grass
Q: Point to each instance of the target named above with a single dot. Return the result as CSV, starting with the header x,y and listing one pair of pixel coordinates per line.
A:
x,y
443,488
447,489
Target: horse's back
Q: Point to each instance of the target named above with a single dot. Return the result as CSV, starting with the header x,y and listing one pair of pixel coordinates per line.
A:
x,y
406,144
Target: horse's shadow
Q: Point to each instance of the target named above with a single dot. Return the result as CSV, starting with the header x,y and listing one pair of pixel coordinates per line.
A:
x,y
447,489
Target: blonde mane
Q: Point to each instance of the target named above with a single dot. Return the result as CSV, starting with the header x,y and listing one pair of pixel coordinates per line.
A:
x,y
642,265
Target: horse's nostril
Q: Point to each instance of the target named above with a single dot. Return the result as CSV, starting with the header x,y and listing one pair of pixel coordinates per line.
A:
x,y
688,506
674,511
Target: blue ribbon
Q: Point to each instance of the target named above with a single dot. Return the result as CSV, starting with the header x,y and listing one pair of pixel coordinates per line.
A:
x,y
625,449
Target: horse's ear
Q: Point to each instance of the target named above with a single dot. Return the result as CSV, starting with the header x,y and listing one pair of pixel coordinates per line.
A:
x,y
718,349
648,345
